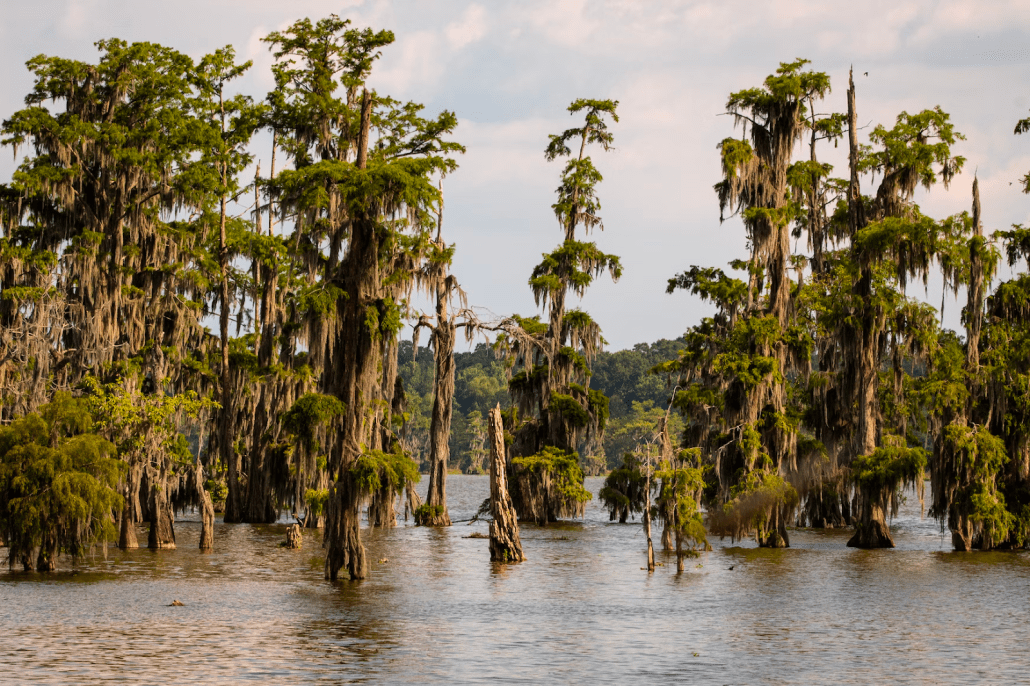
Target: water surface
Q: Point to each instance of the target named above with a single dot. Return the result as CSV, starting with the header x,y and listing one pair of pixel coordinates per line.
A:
x,y
580,610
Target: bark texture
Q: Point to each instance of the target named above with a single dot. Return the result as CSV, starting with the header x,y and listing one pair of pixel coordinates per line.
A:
x,y
355,379
294,539
443,403
505,545
207,511
162,527
872,531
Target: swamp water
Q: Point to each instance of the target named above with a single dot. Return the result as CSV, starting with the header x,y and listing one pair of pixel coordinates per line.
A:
x,y
579,610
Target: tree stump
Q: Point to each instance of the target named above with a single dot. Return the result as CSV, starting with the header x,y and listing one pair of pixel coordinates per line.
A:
x,y
207,511
207,527
505,545
293,537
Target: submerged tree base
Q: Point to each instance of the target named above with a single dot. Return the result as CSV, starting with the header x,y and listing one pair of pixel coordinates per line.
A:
x,y
432,515
875,534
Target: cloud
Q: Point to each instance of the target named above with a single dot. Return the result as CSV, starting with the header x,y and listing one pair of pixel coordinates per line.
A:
x,y
510,68
471,27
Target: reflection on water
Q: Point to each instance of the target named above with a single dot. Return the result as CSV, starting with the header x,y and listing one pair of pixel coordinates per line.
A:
x,y
579,609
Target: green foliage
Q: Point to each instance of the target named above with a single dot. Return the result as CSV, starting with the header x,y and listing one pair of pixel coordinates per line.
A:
x,y
316,500
319,300
309,413
58,482
889,467
217,490
570,410
562,468
428,513
915,144
142,426
677,502
571,267
374,469
624,490
711,284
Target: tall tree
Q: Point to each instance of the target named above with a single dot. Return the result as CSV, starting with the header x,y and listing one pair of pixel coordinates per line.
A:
x,y
740,371
557,412
234,120
891,242
370,203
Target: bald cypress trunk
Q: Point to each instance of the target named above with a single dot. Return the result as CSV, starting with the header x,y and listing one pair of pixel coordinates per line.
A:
x,y
647,520
872,530
440,426
260,503
227,451
48,550
871,521
382,509
131,510
505,544
162,528
354,379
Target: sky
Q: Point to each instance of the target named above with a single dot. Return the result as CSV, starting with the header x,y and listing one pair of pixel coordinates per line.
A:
x,y
509,70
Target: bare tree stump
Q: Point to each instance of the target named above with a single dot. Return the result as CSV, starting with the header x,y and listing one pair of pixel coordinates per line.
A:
x,y
207,526
207,510
293,537
505,545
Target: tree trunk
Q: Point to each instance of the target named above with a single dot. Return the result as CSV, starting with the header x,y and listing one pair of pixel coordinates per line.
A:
x,y
961,534
505,545
343,534
777,536
162,527
382,511
227,451
48,550
872,530
824,508
261,506
127,531
354,379
440,425
207,512
680,555
131,510
976,288
647,521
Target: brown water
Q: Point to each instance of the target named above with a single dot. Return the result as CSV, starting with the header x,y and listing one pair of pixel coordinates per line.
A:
x,y
579,610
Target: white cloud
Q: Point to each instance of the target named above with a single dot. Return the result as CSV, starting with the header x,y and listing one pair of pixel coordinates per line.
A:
x,y
412,66
471,27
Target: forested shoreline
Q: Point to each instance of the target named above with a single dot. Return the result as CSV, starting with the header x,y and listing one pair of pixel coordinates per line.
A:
x,y
179,329
635,395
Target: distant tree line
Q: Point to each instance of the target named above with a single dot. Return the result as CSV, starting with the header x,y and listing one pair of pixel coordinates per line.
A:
x,y
635,394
